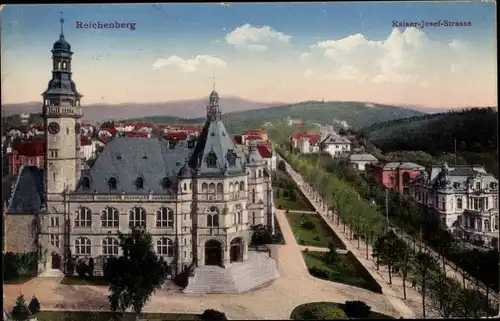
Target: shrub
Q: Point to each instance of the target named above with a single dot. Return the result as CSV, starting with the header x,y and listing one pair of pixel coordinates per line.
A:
x,y
213,315
308,225
316,238
357,309
320,311
319,272
306,249
301,242
20,311
70,264
11,272
34,305
90,268
82,269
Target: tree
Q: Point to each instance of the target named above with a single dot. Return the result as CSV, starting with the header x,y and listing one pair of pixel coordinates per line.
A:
x,y
20,312
423,264
213,315
331,257
34,305
445,296
357,309
130,283
403,262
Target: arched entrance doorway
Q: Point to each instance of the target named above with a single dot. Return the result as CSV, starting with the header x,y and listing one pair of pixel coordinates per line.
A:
x,y
213,253
236,250
56,261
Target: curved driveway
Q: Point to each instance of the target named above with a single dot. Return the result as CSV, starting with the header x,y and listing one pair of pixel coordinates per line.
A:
x,y
276,301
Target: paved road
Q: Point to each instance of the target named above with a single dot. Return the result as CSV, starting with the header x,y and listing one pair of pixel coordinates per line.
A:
x,y
451,271
393,291
294,287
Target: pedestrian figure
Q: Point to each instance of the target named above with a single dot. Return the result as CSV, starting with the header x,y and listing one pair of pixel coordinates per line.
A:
x,y
413,283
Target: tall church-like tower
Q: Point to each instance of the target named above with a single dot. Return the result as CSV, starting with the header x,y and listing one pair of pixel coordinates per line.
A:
x,y
62,113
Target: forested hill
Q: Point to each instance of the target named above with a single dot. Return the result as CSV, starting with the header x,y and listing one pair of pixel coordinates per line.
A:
x,y
475,132
356,114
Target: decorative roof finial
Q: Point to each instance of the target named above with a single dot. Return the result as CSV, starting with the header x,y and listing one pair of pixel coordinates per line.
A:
x,y
213,88
62,25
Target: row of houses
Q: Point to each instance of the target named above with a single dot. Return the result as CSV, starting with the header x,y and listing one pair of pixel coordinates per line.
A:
x,y
466,197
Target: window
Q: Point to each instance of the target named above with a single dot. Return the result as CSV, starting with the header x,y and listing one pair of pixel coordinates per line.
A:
x,y
166,183
137,217
242,186
184,186
237,214
231,190
254,175
112,183
204,188
212,160
478,185
253,196
479,224
495,203
54,153
211,188
54,240
83,217
213,217
459,203
54,221
260,173
165,217
253,218
487,225
478,204
443,204
86,183
110,217
220,188
139,183
110,246
165,247
82,246
67,130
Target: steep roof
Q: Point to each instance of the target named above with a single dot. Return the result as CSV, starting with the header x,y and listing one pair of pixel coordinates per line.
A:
x,y
362,157
28,194
128,158
215,153
264,151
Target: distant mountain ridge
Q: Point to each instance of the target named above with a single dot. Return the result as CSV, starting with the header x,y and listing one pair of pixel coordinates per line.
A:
x,y
191,108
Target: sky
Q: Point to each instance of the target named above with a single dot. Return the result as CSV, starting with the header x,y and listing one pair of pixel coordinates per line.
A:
x,y
272,52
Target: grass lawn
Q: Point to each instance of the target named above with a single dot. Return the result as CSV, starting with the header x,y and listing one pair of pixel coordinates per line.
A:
x,y
111,316
19,280
300,204
343,271
299,312
76,280
321,236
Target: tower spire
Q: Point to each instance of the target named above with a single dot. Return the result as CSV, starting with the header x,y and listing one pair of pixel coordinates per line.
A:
x,y
213,87
62,25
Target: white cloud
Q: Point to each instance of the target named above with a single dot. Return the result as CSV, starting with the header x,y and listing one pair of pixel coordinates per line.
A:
x,y
257,47
305,56
405,57
189,65
248,36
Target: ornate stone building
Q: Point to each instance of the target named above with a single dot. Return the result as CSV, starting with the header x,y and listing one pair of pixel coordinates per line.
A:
x,y
198,198
466,198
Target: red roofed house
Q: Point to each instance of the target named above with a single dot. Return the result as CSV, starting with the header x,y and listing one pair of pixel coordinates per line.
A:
x,y
27,153
137,134
267,152
88,148
176,136
252,133
305,143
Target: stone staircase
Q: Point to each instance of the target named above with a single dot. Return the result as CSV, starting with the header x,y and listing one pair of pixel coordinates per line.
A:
x,y
257,271
51,273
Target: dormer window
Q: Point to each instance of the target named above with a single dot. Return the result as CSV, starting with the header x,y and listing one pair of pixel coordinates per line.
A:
x,y
139,183
86,183
212,159
478,185
231,157
112,183
166,183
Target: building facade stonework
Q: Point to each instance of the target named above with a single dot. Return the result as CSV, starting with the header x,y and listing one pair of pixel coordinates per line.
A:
x,y
198,198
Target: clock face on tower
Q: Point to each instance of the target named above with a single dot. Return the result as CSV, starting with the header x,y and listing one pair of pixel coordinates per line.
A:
x,y
54,128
